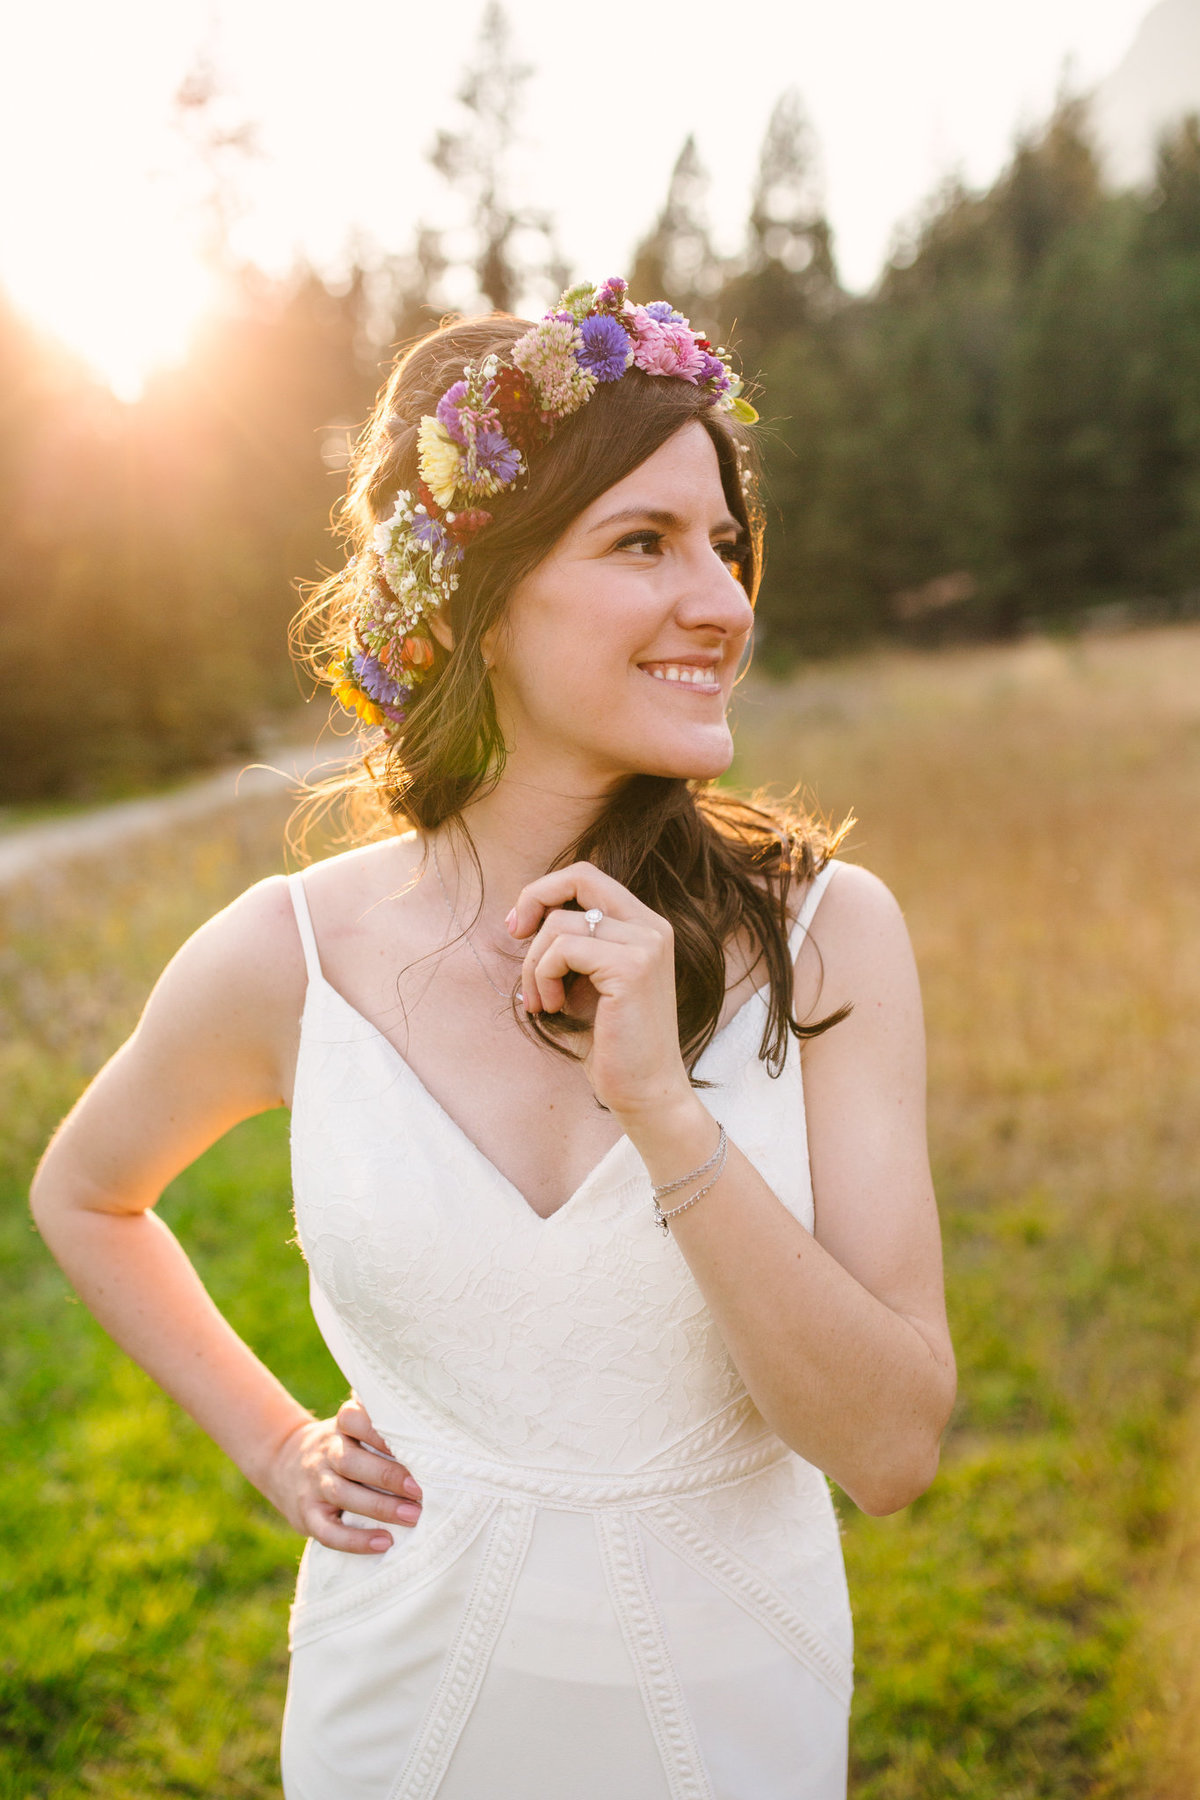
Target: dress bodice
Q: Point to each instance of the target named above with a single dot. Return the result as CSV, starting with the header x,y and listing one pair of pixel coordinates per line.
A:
x,y
578,1341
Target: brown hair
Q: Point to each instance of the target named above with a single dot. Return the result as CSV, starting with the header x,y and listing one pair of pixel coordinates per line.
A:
x,y
707,861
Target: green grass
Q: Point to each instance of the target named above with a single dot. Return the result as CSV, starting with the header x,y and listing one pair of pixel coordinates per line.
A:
x,y
142,1631
153,1581
1028,1629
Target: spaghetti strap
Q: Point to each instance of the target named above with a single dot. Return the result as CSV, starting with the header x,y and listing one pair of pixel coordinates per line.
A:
x,y
312,961
812,900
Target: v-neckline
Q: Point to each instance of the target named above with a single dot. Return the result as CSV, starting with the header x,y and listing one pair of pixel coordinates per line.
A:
x,y
463,1136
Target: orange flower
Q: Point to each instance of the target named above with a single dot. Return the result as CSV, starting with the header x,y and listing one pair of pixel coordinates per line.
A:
x,y
416,653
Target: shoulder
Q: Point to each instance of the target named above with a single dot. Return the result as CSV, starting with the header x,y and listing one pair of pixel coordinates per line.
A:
x,y
857,943
232,996
259,929
253,944
233,993
363,874
854,898
252,947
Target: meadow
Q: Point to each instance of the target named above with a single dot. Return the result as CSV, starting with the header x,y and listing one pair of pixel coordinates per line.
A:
x,y
1028,1630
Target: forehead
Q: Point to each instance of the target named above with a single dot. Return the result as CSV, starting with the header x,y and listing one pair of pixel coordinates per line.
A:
x,y
683,476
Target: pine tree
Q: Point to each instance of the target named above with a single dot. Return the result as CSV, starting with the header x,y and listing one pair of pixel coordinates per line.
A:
x,y
1167,253
219,144
788,279
475,161
787,226
676,260
1052,183
1077,523
406,290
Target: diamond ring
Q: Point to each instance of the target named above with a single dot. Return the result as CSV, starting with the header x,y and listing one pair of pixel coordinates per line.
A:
x,y
592,918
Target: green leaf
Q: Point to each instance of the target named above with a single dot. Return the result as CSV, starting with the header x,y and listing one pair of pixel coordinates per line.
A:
x,y
743,412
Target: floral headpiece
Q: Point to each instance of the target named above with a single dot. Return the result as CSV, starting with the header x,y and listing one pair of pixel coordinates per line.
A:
x,y
475,445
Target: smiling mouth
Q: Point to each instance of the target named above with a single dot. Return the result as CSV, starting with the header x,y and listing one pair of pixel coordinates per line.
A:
x,y
684,675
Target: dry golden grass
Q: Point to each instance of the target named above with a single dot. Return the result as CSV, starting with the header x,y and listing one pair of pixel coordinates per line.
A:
x,y
1036,809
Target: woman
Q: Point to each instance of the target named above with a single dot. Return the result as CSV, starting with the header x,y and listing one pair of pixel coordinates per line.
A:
x,y
551,1141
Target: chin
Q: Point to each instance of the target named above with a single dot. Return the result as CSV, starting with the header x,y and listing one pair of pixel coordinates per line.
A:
x,y
702,757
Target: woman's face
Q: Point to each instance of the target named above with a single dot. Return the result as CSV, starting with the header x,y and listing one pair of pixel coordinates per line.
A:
x,y
617,655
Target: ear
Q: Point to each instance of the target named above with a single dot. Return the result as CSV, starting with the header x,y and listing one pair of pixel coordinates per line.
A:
x,y
487,645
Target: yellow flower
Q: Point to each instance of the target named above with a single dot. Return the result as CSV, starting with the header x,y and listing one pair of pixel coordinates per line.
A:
x,y
438,458
349,695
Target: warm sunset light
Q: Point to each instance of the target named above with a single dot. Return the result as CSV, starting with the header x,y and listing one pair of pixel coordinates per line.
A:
x,y
106,222
133,311
109,206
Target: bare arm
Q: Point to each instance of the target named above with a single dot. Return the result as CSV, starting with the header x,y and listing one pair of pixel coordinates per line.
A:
x,y
841,1337
212,1048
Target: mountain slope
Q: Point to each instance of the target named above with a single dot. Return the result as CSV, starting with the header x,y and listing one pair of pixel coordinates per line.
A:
x,y
1155,84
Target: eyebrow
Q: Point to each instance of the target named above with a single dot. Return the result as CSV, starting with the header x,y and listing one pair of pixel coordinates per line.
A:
x,y
668,520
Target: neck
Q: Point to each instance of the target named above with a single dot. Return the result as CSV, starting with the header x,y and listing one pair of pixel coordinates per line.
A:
x,y
519,830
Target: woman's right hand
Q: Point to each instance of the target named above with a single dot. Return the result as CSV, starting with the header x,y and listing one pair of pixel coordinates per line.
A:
x,y
325,1467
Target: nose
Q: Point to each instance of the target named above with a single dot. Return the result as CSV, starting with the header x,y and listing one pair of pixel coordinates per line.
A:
x,y
712,596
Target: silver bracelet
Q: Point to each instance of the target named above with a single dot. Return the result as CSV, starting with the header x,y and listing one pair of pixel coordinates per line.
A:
x,y
669,1187
716,1163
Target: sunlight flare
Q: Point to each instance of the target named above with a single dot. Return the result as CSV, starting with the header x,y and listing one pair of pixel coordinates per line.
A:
x,y
127,307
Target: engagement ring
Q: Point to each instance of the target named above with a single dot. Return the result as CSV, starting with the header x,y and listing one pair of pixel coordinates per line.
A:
x,y
593,916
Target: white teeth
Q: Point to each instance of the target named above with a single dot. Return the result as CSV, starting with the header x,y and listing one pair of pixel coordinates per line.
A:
x,y
683,672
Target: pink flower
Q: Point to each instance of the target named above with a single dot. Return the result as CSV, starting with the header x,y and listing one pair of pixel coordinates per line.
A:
x,y
665,349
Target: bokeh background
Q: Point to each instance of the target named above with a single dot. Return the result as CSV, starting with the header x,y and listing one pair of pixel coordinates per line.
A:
x,y
957,250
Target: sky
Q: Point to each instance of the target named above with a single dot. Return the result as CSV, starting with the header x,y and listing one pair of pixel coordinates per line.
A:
x,y
102,219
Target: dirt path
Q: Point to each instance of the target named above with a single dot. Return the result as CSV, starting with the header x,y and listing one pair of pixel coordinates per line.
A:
x,y
29,847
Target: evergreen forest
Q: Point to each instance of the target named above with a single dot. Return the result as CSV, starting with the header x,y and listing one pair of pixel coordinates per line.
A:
x,y
1003,435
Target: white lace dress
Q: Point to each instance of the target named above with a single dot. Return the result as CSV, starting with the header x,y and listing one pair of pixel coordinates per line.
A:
x,y
623,1586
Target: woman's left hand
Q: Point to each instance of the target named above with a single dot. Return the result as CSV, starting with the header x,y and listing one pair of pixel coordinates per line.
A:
x,y
633,1060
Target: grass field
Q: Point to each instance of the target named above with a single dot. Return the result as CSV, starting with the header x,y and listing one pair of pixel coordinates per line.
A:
x,y
1028,1629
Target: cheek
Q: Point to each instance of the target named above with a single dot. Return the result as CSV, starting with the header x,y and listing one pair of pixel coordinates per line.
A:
x,y
584,634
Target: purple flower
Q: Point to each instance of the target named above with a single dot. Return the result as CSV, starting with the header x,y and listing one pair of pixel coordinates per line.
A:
x,y
610,296
664,313
495,456
714,371
606,349
431,534
378,685
447,411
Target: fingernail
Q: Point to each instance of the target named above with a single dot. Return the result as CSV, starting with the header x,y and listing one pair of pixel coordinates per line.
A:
x,y
511,919
380,1542
410,1487
407,1512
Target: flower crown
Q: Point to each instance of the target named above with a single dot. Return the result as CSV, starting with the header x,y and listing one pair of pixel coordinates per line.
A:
x,y
475,445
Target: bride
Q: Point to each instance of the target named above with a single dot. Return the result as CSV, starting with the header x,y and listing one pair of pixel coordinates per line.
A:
x,y
607,1125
